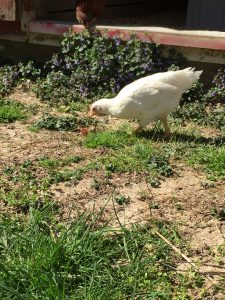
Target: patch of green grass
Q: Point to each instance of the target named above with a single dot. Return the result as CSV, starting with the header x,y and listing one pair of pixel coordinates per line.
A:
x,y
11,111
22,190
211,158
129,159
129,153
110,139
192,148
66,175
24,197
142,157
51,163
150,155
56,174
41,259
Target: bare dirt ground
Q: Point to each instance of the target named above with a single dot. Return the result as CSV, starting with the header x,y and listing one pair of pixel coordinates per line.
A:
x,y
182,199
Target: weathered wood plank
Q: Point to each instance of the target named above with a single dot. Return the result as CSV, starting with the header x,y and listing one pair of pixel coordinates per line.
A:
x,y
8,10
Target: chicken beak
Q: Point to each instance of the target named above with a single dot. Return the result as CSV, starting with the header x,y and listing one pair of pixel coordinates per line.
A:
x,y
91,113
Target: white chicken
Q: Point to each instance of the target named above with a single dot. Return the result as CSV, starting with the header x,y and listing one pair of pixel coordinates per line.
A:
x,y
148,99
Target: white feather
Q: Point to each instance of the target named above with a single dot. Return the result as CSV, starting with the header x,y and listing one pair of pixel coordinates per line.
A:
x,y
149,98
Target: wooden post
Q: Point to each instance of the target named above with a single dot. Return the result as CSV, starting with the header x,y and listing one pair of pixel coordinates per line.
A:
x,y
28,13
7,10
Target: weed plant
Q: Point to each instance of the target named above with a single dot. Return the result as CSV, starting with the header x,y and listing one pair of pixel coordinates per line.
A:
x,y
11,111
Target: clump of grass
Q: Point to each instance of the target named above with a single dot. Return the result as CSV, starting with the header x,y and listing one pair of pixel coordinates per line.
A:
x,y
51,163
66,175
110,139
11,111
122,199
129,159
140,158
212,159
46,260
131,154
24,197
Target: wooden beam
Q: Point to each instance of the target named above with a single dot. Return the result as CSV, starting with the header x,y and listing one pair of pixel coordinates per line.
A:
x,y
7,27
28,13
165,36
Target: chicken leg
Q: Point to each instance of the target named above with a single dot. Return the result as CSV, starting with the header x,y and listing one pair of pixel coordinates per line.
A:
x,y
166,126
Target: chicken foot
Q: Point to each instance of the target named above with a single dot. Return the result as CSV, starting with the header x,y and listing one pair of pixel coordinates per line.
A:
x,y
138,129
166,126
